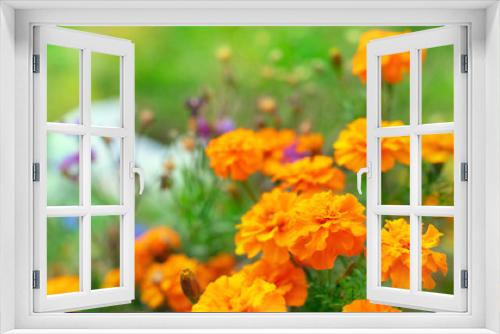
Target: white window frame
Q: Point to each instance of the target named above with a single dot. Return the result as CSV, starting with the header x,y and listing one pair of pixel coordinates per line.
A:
x,y
414,43
16,21
86,44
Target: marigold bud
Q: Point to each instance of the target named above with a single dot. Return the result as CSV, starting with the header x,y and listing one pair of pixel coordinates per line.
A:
x,y
190,286
335,58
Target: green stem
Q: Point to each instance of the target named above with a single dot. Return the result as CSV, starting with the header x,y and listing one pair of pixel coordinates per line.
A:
x,y
249,191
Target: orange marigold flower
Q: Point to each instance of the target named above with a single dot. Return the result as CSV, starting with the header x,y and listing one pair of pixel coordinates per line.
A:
x,y
312,142
432,199
393,66
63,284
221,264
264,227
437,148
311,174
350,147
238,154
238,293
161,286
325,226
154,245
275,142
290,280
112,279
396,254
363,305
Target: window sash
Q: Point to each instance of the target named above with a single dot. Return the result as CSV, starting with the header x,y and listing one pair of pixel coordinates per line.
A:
x,y
86,297
414,297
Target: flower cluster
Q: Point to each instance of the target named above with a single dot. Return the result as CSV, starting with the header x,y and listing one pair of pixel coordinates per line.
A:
x,y
243,152
350,147
396,254
394,67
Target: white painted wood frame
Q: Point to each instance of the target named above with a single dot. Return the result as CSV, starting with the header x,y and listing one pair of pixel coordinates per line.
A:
x,y
86,44
17,18
415,43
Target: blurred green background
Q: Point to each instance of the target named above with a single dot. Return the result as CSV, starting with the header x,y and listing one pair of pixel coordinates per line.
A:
x,y
306,70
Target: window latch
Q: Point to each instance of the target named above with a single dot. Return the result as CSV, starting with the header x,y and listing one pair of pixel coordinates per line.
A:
x,y
140,173
364,170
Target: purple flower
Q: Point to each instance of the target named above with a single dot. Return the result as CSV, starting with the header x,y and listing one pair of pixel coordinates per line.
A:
x,y
203,128
291,154
224,125
67,165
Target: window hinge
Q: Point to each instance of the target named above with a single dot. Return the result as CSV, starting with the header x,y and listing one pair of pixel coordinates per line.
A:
x,y
36,63
465,63
464,171
464,279
36,172
36,279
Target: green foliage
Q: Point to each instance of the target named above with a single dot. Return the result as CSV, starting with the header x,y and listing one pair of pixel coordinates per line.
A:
x,y
330,290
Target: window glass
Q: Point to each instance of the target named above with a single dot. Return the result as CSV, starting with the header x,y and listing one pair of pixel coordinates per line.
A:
x,y
63,84
63,169
106,102
63,255
437,71
105,236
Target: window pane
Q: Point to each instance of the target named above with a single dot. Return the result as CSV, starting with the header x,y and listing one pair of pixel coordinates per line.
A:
x,y
395,92
437,71
63,84
106,181
63,169
437,169
63,255
106,105
105,235
395,170
437,254
395,262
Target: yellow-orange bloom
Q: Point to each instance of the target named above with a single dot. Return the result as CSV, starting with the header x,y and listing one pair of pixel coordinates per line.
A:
x,y
264,227
161,287
238,154
350,147
437,148
155,245
394,67
396,254
221,264
363,305
290,280
238,293
311,174
325,226
63,284
275,142
112,279
311,142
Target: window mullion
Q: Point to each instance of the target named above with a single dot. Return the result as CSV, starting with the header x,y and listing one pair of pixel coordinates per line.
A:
x,y
415,240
